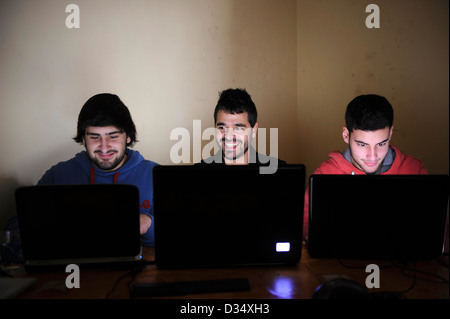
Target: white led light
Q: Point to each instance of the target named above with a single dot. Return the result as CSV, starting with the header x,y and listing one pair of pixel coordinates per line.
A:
x,y
283,247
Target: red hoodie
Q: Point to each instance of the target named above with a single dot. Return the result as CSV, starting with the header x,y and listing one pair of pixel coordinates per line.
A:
x,y
337,164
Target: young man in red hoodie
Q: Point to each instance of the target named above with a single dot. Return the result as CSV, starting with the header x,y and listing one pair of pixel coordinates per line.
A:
x,y
368,131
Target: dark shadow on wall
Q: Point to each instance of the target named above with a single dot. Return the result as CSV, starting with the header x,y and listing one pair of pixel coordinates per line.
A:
x,y
8,186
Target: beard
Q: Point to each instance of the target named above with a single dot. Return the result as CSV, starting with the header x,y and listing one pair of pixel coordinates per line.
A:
x,y
237,153
234,155
108,165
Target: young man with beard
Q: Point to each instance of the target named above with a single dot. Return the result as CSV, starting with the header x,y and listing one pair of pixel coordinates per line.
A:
x,y
236,122
106,130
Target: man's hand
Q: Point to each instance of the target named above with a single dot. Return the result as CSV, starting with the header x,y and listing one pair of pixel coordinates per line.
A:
x,y
145,222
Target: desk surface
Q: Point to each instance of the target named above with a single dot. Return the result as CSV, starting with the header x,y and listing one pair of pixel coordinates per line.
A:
x,y
267,282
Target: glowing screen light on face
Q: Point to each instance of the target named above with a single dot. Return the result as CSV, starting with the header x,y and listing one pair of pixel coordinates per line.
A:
x,y
283,247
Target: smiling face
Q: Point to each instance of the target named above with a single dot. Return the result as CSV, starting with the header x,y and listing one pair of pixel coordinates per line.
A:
x,y
106,146
368,148
233,134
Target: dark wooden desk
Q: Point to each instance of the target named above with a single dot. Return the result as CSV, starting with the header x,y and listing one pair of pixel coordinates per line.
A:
x,y
297,282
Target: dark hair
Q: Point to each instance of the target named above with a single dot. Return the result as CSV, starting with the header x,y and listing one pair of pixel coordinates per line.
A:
x,y
105,110
369,112
237,101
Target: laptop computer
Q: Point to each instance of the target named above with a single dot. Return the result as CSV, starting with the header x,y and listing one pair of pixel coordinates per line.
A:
x,y
79,224
217,215
396,217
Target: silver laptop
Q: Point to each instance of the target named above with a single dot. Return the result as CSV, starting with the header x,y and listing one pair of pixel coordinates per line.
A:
x,y
217,215
79,224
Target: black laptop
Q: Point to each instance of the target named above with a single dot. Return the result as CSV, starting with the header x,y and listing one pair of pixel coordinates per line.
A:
x,y
401,217
79,224
214,215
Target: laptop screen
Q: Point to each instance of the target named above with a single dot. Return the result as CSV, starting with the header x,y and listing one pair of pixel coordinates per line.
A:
x,y
380,216
78,221
227,215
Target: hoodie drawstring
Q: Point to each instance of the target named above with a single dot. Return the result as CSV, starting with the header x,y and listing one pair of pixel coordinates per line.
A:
x,y
92,180
92,176
116,176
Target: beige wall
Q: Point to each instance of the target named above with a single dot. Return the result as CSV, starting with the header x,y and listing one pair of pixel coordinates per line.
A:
x,y
406,60
302,61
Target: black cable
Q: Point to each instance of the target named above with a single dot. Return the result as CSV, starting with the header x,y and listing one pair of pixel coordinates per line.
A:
x,y
441,279
133,272
363,267
414,279
387,294
116,283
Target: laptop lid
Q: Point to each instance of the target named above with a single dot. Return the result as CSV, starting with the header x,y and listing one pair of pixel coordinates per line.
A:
x,y
81,224
214,215
378,216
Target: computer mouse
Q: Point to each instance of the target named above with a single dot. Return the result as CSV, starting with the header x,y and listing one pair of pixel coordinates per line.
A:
x,y
340,288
